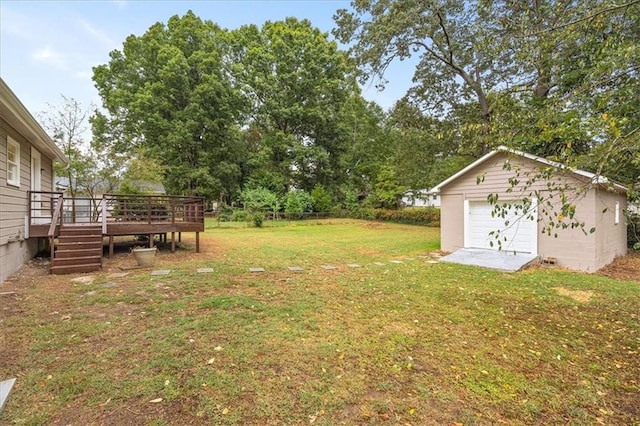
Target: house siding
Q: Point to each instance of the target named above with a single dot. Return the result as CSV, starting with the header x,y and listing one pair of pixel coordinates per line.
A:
x,y
570,247
14,248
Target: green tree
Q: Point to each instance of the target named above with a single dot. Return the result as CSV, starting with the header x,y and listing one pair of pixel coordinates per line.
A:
x,y
557,78
169,92
297,82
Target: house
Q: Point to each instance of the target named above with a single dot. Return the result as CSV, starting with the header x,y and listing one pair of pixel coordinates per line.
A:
x,y
420,198
34,215
27,154
469,220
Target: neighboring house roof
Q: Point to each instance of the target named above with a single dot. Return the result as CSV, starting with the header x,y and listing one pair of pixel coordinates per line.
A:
x,y
14,112
592,177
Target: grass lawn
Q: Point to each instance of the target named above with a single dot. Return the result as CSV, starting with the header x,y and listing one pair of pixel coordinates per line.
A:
x,y
414,343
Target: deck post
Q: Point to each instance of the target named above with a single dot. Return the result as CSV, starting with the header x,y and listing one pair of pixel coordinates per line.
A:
x,y
150,240
103,213
173,242
179,237
197,242
110,246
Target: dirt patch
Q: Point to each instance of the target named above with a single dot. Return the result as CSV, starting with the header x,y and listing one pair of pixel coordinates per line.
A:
x,y
623,268
577,295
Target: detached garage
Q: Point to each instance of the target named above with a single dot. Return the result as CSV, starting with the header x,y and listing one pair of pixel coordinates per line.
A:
x,y
469,221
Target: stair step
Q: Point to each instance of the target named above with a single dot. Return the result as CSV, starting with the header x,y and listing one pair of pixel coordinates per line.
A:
x,y
64,245
72,269
82,252
77,260
80,231
79,239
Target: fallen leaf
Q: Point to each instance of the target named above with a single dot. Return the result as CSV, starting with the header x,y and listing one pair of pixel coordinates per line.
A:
x,y
225,411
156,400
211,361
217,348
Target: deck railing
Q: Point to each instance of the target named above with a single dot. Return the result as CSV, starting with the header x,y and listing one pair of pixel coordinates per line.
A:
x,y
121,208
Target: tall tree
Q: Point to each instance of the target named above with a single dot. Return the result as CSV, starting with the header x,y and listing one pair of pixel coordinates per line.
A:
x,y
555,77
297,82
169,91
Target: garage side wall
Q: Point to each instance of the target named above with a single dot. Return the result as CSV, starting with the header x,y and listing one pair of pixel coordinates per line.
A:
x,y
570,247
611,227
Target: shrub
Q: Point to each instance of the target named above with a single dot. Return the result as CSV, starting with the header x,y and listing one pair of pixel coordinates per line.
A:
x,y
322,201
427,216
633,230
257,220
298,203
239,215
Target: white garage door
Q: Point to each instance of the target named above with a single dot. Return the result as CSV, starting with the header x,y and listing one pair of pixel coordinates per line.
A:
x,y
521,232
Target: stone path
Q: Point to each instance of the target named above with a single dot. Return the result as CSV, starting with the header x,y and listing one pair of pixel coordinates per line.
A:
x,y
430,260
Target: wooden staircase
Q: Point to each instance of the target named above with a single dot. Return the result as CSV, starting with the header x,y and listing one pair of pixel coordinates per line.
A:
x,y
79,249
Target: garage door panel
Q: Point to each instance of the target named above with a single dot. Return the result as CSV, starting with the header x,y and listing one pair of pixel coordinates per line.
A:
x,y
518,235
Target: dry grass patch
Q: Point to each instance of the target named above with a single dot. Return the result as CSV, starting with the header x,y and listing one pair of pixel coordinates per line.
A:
x,y
411,343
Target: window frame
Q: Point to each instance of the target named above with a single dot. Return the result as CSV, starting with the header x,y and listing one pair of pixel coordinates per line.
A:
x,y
13,166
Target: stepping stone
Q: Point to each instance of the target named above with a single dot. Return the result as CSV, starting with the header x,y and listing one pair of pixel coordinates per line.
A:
x,y
84,280
295,268
109,284
378,263
328,267
205,270
161,272
353,265
256,269
397,261
118,275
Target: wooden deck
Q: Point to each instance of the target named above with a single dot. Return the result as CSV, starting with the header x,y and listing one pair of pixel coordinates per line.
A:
x,y
117,215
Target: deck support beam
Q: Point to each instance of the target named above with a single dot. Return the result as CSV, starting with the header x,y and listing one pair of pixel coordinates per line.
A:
x,y
173,242
110,246
197,242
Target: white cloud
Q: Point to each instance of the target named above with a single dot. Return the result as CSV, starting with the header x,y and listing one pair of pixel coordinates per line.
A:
x,y
50,56
120,3
99,35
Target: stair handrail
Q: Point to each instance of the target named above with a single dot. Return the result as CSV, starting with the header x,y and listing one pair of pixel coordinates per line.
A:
x,y
55,218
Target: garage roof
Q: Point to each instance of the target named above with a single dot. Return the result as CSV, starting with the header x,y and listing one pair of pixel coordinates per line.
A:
x,y
593,178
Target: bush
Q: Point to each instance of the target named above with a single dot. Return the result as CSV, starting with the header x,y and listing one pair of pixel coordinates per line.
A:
x,y
225,213
257,220
633,231
427,216
239,215
298,203
322,201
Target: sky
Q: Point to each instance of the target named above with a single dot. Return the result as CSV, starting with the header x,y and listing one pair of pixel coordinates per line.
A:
x,y
48,47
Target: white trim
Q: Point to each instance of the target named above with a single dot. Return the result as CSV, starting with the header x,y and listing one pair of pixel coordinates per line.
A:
x,y
17,115
13,166
534,228
596,179
465,225
616,218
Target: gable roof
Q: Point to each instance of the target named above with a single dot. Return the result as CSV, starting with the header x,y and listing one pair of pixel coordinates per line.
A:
x,y
592,177
16,114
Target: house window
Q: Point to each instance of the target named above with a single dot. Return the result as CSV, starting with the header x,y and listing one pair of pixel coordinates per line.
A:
x,y
13,162
616,218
